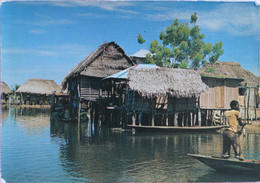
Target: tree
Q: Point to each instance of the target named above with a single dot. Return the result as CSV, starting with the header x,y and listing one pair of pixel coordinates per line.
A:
x,y
13,90
140,39
182,46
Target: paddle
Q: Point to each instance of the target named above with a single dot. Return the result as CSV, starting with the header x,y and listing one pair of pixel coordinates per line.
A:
x,y
240,132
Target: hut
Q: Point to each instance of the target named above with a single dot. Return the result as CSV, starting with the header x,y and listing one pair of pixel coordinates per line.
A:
x,y
163,97
227,81
140,56
5,91
84,82
118,85
36,92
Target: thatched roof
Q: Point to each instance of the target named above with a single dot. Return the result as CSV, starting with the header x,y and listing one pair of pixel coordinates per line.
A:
x,y
123,74
39,86
229,70
108,59
180,83
5,88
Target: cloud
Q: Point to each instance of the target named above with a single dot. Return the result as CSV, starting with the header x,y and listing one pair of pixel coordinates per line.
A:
x,y
37,31
67,50
50,22
93,15
234,18
38,52
117,6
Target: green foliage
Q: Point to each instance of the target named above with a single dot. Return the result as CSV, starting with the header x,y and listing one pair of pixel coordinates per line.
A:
x,y
211,70
184,43
221,76
13,90
183,65
217,51
203,75
194,18
140,39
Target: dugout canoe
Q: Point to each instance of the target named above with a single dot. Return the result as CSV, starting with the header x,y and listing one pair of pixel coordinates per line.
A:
x,y
176,129
230,164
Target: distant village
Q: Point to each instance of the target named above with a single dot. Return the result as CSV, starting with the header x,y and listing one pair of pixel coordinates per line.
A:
x,y
113,88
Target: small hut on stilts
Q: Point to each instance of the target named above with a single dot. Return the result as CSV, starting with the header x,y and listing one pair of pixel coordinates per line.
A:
x,y
36,92
5,92
84,82
228,81
163,98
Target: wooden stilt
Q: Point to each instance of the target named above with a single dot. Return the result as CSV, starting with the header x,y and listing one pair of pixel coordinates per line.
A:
x,y
140,119
133,118
79,108
199,112
153,115
199,117
182,120
195,118
255,94
153,110
248,98
191,119
175,121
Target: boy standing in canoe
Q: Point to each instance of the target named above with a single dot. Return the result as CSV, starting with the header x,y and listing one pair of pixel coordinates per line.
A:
x,y
230,134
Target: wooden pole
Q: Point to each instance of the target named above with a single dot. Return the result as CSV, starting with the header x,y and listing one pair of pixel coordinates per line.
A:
x,y
167,113
191,119
255,101
175,122
133,118
245,94
167,119
199,113
194,119
153,111
140,119
248,98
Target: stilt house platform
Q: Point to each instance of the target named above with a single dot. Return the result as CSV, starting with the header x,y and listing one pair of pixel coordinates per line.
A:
x,y
163,98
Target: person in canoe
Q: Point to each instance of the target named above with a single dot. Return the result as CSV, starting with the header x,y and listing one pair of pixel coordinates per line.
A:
x,y
230,134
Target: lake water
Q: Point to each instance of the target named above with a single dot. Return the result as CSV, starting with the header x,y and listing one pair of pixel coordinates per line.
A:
x,y
33,149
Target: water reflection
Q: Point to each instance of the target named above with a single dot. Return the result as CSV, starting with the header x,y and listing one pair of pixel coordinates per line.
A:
x,y
99,154
35,121
37,150
4,114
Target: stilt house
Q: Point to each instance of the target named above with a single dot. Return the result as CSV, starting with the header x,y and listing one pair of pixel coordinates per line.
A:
x,y
163,97
36,92
5,91
227,81
84,81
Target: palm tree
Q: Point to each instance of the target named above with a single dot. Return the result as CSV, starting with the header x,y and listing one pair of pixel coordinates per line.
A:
x,y
13,89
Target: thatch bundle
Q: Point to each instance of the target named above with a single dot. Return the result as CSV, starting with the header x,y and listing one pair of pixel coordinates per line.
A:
x,y
231,70
108,59
39,86
180,83
5,88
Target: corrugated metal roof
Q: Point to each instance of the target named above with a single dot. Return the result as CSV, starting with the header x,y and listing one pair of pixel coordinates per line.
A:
x,y
123,74
141,53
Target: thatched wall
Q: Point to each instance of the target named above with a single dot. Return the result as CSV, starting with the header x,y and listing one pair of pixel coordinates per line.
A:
x,y
227,70
39,86
179,83
5,88
108,59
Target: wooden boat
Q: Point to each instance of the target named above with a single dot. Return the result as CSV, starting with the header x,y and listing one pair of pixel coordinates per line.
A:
x,y
176,129
230,164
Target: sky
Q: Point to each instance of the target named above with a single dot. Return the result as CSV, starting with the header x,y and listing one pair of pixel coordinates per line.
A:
x,y
46,39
